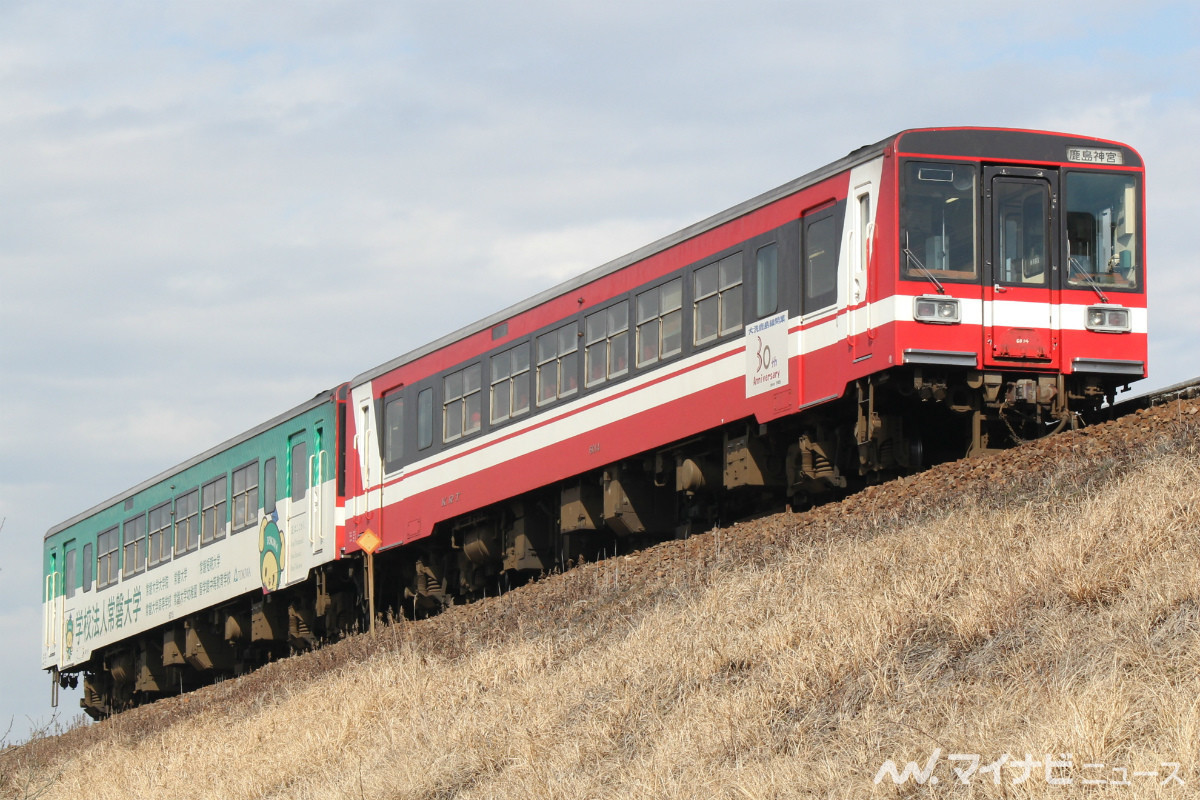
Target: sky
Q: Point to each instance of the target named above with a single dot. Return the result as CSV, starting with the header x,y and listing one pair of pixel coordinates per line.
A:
x,y
211,211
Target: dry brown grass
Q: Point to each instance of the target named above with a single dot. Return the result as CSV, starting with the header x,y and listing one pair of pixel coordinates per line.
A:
x,y
1043,602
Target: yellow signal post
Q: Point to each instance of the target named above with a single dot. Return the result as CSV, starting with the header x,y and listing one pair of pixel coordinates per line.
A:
x,y
369,541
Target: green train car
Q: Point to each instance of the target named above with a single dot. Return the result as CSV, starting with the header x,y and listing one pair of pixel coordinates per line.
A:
x,y
204,570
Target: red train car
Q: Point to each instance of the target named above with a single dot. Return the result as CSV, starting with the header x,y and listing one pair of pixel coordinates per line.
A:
x,y
940,293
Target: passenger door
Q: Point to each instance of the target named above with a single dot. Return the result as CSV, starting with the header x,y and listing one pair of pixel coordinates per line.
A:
x,y
297,516
1021,324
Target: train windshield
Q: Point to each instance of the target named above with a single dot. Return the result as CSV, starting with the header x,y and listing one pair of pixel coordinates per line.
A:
x,y
1102,230
938,238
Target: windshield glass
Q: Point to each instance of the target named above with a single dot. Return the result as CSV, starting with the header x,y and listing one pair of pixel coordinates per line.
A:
x,y
937,222
1102,230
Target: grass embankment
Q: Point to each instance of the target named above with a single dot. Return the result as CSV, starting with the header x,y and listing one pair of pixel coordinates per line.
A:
x,y
1042,602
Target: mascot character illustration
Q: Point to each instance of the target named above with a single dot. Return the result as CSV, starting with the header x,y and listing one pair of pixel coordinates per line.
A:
x,y
270,553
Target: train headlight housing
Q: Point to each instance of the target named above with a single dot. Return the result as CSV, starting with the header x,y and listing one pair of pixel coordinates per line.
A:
x,y
943,310
1108,319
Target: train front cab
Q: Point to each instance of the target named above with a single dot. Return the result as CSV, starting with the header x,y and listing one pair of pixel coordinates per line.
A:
x,y
1023,258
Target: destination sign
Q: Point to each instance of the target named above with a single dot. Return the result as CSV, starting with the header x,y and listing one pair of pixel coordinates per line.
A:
x,y
1094,155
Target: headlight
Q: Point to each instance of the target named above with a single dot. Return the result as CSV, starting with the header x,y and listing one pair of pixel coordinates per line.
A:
x,y
1107,319
936,309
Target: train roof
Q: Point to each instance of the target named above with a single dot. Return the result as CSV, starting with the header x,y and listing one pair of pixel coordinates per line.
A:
x,y
964,142
318,400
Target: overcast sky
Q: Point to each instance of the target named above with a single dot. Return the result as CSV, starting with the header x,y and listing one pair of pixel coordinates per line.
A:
x,y
211,211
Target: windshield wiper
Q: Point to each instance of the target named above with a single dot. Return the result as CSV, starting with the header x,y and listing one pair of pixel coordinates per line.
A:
x,y
1077,266
912,257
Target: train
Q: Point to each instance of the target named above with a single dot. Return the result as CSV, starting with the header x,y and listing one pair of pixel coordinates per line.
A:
x,y
942,293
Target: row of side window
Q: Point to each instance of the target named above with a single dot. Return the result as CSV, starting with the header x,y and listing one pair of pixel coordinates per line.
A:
x,y
547,369
195,518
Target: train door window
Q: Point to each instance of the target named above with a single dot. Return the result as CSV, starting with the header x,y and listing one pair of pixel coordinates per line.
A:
x,y
717,299
659,322
87,567
393,430
864,229
270,485
1022,209
213,505
558,364
135,545
510,383
51,589
424,419
766,280
69,569
318,475
245,496
820,264
108,558
298,473
461,403
159,549
606,344
187,522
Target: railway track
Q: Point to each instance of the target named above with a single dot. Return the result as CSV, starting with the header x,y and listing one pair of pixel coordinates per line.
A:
x,y
1180,391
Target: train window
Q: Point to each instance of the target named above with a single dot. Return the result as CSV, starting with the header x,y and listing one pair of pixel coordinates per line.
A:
x,y
659,322
69,566
1102,215
245,496
318,475
1022,209
606,350
717,303
298,477
864,229
766,280
510,383
87,567
820,264
270,485
938,222
108,558
135,545
393,430
461,403
213,503
159,549
424,419
558,364
187,522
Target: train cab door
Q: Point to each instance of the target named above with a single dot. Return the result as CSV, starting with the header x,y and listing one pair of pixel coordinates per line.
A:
x,y
857,241
368,495
1020,317
297,537
54,609
318,473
